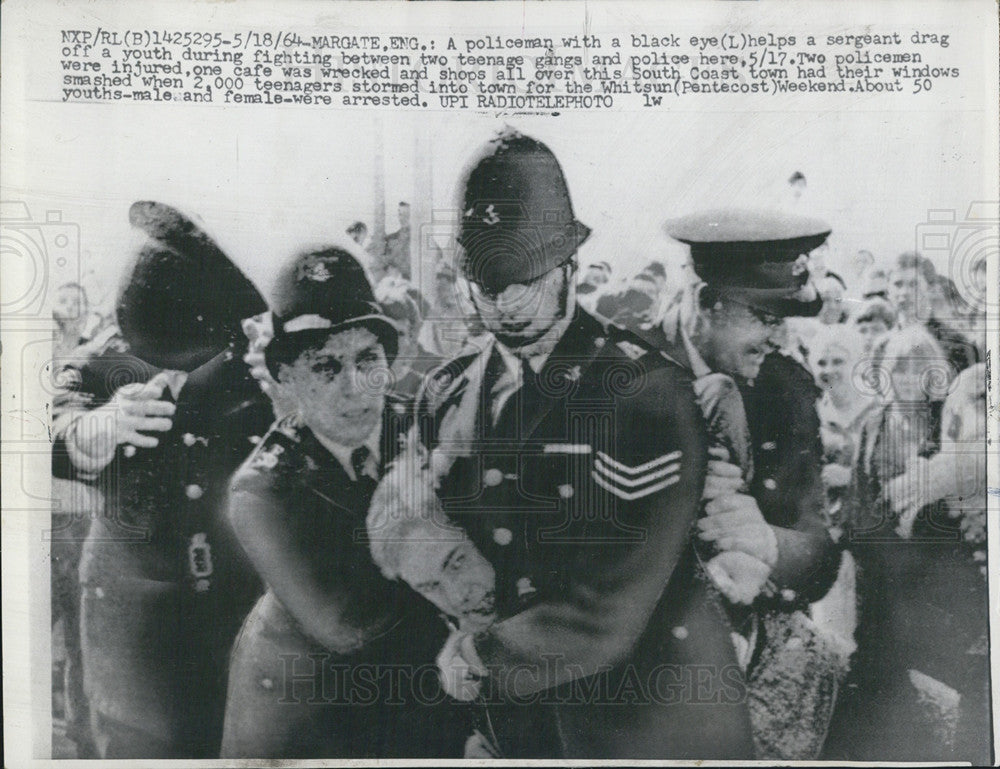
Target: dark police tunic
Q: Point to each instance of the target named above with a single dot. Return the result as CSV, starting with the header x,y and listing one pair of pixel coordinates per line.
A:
x,y
582,496
165,585
378,694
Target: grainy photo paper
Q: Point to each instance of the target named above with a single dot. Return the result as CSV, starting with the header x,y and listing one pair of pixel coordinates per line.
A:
x,y
499,381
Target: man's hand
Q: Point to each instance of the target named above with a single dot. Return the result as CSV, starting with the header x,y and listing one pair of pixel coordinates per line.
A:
x,y
460,668
738,576
734,522
137,409
722,478
134,410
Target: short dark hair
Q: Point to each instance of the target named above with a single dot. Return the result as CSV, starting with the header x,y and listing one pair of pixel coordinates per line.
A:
x,y
285,349
911,260
876,309
357,227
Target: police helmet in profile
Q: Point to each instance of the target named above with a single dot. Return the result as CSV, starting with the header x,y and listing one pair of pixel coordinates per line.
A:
x,y
318,293
181,300
759,258
517,221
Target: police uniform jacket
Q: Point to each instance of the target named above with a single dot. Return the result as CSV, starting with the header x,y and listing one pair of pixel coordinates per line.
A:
x,y
165,584
780,406
582,495
291,480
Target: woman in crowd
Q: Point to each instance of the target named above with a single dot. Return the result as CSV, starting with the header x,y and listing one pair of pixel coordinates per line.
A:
x,y
842,408
330,662
919,688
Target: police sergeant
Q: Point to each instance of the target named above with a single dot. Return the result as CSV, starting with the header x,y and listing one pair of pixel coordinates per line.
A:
x,y
572,454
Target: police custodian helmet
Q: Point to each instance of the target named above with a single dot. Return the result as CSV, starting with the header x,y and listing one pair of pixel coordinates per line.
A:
x,y
757,257
321,292
517,222
181,300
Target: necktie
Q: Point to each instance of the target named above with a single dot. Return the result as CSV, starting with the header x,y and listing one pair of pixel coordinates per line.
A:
x,y
359,461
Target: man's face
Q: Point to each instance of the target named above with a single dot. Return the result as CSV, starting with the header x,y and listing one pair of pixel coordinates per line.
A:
x,y
907,289
831,367
453,575
444,288
339,390
407,338
69,304
523,312
832,294
736,339
908,375
872,331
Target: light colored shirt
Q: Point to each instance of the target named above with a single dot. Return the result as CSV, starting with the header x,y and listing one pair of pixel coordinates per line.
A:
x,y
511,379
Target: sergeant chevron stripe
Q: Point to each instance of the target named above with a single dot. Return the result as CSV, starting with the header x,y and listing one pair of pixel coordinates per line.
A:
x,y
628,482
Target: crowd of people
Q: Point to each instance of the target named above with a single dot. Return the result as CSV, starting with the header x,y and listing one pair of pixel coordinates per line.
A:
x,y
544,513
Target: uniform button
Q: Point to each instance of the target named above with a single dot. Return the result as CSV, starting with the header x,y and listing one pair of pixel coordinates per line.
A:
x,y
267,683
680,632
254,439
194,491
129,451
768,446
188,439
524,587
502,536
566,490
599,342
770,484
99,592
787,595
493,477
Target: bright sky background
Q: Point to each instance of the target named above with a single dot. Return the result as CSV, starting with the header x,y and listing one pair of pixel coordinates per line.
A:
x,y
265,182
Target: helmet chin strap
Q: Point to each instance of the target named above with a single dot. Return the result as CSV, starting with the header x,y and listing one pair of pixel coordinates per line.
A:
x,y
547,340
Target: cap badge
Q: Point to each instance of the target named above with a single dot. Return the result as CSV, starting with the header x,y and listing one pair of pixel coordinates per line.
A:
x,y
315,269
491,217
800,265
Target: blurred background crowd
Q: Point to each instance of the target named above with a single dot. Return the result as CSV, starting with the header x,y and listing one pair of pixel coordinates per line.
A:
x,y
897,353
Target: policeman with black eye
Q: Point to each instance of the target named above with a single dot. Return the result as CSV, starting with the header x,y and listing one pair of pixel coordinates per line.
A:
x,y
573,456
331,661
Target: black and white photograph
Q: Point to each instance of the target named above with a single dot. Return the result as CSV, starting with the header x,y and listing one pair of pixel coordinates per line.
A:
x,y
505,381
